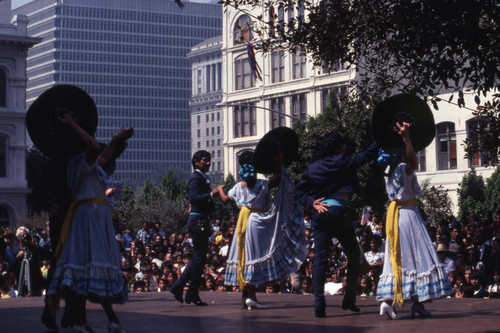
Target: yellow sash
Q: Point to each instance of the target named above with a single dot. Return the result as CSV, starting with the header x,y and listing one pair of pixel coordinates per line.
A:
x,y
68,222
240,233
392,232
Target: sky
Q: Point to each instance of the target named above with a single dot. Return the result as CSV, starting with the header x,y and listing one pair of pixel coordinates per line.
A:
x,y
17,3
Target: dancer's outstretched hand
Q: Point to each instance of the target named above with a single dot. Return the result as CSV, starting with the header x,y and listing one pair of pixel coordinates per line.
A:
x,y
403,129
320,206
124,133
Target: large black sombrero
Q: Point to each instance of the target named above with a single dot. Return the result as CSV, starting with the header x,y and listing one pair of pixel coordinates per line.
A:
x,y
399,108
50,135
282,137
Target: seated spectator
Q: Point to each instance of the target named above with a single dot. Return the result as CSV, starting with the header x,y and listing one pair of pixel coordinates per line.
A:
x,y
139,286
6,290
221,287
171,278
271,289
333,286
307,286
128,237
375,257
477,281
224,250
494,288
209,283
365,287
448,263
162,285
129,273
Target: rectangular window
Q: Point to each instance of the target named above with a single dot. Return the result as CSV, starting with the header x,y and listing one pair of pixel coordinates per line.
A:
x,y
277,112
244,120
299,107
243,76
207,78
299,63
3,157
278,66
421,161
446,143
198,82
219,76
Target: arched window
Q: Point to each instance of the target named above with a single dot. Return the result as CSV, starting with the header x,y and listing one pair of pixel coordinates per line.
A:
x,y
446,142
3,88
3,156
242,31
476,129
4,217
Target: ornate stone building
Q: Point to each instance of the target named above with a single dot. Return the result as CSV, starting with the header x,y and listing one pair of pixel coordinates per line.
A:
x,y
14,45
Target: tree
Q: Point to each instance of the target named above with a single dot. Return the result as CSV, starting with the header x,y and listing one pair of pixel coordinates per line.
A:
x,y
493,194
125,213
171,187
425,47
471,196
436,203
225,211
153,204
351,118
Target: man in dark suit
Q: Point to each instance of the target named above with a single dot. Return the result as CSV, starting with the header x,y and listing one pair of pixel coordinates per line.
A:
x,y
202,206
326,186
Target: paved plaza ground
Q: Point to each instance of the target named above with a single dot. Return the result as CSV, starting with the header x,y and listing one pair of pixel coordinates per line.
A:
x,y
159,312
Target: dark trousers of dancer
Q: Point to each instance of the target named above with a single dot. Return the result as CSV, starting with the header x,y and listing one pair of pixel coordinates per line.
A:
x,y
199,228
325,226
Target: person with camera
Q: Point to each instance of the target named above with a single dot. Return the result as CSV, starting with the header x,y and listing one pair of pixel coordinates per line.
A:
x,y
30,275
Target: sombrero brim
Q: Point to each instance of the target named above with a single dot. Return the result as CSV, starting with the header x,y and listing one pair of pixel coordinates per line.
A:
x,y
422,131
51,137
266,148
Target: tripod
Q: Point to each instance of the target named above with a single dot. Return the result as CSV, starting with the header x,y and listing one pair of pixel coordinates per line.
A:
x,y
24,276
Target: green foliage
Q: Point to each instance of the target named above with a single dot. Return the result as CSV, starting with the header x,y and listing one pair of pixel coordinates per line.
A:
x,y
492,203
471,196
435,202
426,47
165,203
225,211
171,187
351,117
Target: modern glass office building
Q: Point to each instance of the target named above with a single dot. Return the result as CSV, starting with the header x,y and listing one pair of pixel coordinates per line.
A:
x,y
130,56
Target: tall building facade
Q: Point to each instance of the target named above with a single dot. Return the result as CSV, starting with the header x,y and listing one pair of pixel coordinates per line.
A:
x,y
206,95
14,45
291,89
130,56
444,161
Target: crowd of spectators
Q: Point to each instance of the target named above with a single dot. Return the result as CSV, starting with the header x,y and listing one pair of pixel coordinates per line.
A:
x,y
152,260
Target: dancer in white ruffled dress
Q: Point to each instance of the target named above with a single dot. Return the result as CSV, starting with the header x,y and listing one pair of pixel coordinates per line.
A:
x,y
269,242
89,265
412,271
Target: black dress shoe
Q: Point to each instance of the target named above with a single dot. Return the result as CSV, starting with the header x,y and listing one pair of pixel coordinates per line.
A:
x,y
195,299
67,320
49,319
320,313
350,307
177,292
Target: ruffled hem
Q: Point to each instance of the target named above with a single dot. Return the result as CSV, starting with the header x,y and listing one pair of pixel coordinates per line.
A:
x,y
96,282
429,285
282,260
